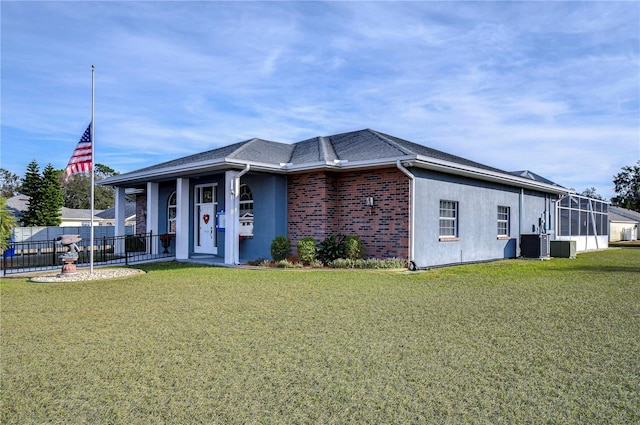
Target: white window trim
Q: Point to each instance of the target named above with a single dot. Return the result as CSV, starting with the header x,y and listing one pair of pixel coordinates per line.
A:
x,y
506,221
246,219
454,220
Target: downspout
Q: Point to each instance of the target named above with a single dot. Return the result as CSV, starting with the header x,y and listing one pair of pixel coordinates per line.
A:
x,y
412,208
520,219
244,171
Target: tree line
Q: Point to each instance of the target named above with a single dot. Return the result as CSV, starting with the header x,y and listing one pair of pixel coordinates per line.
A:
x,y
47,193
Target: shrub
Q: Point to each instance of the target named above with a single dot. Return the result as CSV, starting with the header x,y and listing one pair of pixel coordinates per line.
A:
x,y
280,248
135,243
342,263
372,263
331,248
257,262
286,264
353,248
265,263
306,248
316,264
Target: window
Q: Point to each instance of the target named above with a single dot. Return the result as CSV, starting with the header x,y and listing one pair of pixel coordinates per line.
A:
x,y
448,219
246,211
172,212
503,221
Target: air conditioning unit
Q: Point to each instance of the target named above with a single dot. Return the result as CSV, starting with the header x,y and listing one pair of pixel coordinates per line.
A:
x,y
534,245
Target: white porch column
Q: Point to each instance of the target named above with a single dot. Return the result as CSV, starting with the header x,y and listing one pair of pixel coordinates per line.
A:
x,y
182,219
152,214
119,220
231,207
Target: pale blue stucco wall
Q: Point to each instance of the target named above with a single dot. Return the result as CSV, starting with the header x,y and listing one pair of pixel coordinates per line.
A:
x,y
478,202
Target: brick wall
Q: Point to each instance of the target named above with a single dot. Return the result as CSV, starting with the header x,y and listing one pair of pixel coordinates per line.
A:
x,y
326,203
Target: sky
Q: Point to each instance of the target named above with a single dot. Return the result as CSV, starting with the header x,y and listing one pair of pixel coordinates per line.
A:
x,y
552,87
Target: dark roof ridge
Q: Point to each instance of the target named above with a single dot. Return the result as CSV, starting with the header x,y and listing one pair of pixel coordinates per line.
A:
x,y
328,151
389,141
244,145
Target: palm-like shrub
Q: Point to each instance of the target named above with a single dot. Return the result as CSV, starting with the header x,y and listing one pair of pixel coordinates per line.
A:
x,y
331,248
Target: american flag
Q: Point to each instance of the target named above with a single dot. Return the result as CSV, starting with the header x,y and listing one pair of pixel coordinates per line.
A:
x,y
80,161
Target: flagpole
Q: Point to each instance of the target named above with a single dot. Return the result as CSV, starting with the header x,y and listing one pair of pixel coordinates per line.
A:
x,y
93,155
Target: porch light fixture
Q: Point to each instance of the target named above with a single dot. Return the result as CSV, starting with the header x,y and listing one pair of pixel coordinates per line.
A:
x,y
369,202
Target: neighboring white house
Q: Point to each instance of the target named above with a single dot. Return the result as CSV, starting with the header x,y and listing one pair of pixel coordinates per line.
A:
x,y
623,224
109,216
71,217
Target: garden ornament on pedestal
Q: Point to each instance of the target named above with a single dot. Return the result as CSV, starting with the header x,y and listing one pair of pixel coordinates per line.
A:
x,y
71,256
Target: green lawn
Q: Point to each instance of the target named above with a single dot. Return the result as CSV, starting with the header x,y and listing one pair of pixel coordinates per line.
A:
x,y
510,342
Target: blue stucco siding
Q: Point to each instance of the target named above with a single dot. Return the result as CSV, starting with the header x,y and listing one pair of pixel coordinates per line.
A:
x,y
478,203
164,192
270,213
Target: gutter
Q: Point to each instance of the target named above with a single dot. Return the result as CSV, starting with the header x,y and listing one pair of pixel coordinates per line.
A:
x,y
497,176
412,215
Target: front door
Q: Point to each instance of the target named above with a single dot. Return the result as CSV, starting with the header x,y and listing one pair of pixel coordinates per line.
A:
x,y
205,238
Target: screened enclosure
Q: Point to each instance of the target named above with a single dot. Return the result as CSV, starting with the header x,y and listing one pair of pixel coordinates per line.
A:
x,y
584,220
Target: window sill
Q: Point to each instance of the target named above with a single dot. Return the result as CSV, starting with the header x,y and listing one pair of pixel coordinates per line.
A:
x,y
448,239
503,238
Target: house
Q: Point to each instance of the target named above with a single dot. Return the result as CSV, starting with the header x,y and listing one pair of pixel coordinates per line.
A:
x,y
623,224
108,216
401,198
70,217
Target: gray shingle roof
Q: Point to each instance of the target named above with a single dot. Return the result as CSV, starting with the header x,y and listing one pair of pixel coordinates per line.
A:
x,y
20,203
110,213
623,212
359,146
369,145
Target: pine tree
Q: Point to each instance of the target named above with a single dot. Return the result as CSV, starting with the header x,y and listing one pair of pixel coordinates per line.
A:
x,y
52,197
45,196
32,187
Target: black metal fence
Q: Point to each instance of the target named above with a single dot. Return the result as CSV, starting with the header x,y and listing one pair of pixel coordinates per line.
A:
x,y
33,256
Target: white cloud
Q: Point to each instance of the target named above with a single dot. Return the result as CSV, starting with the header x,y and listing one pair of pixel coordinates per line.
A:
x,y
548,86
